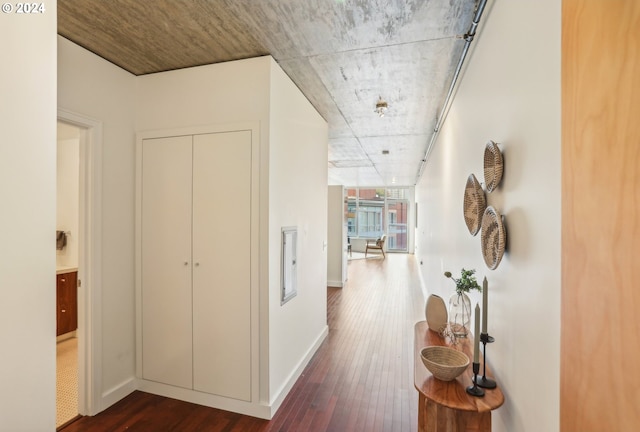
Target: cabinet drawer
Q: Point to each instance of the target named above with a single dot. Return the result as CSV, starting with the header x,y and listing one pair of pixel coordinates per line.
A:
x,y
66,302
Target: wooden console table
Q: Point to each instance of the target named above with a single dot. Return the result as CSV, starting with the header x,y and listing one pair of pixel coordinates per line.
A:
x,y
446,406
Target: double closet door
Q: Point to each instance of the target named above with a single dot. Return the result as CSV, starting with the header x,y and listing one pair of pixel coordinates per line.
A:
x,y
195,262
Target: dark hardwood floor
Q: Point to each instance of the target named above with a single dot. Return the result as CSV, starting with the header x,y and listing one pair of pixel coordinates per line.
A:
x,y
360,379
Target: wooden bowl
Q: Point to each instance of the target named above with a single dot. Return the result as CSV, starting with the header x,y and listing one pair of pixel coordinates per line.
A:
x,y
445,363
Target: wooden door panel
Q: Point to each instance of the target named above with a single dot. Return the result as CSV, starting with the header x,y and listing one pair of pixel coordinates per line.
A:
x,y
600,217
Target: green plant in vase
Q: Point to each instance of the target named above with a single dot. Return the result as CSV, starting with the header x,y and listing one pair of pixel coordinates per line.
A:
x,y
460,304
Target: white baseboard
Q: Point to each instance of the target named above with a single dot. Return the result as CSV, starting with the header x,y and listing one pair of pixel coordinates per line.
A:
x,y
293,377
243,407
335,284
117,393
65,336
205,399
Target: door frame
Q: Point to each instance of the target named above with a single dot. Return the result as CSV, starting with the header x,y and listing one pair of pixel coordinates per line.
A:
x,y
89,261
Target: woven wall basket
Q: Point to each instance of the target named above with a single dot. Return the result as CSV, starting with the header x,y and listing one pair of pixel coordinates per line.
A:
x,y
474,204
493,166
493,238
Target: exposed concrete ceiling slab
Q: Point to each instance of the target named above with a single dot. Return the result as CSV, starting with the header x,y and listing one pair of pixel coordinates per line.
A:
x,y
347,149
307,78
402,75
342,54
355,176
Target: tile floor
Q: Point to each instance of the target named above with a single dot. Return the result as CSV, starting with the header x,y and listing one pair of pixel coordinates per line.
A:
x,y
66,381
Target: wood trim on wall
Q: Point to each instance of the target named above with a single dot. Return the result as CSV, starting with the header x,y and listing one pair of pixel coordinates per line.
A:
x,y
600,322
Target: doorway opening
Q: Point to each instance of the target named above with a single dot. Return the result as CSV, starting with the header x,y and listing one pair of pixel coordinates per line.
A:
x,y
68,240
78,262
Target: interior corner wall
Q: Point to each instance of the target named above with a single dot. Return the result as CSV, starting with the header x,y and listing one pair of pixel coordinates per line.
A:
x,y
92,87
27,257
230,92
298,152
223,93
509,93
335,237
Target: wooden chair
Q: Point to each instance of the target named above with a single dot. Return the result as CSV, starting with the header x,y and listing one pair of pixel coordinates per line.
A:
x,y
376,245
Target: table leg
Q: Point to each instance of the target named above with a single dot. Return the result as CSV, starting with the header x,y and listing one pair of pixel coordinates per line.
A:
x,y
437,418
422,413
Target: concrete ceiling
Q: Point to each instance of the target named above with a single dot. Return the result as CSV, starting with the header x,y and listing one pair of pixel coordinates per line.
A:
x,y
342,54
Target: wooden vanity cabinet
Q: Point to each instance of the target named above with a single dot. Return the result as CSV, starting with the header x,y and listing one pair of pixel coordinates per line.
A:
x,y
66,302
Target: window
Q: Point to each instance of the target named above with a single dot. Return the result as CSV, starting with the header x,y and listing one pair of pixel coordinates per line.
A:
x,y
350,211
369,221
372,212
397,210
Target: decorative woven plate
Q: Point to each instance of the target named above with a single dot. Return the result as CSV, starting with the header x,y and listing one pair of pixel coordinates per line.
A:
x,y
493,165
493,238
474,204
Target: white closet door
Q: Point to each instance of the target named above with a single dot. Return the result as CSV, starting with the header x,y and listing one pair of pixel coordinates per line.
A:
x,y
166,261
222,264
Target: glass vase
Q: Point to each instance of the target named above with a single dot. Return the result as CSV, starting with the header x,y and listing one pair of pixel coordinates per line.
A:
x,y
459,314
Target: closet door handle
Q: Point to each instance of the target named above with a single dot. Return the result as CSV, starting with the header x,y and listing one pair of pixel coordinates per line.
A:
x,y
186,263
197,264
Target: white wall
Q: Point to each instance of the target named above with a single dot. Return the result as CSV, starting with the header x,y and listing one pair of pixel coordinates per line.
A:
x,y
411,220
67,197
510,93
231,92
27,256
224,93
293,185
297,197
95,88
336,248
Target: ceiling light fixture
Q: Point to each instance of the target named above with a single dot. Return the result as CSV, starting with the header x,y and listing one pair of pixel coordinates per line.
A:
x,y
381,107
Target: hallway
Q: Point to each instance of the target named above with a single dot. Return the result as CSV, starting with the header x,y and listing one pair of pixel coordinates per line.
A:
x,y
360,379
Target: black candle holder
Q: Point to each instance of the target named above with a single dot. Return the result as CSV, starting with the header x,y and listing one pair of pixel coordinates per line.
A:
x,y
485,382
474,390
